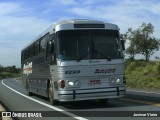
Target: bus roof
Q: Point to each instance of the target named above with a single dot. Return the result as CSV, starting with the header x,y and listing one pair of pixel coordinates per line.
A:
x,y
75,24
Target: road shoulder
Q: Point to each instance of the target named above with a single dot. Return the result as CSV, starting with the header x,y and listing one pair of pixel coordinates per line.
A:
x,y
2,109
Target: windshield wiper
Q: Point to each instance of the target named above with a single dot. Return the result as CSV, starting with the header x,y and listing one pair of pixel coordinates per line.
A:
x,y
108,58
80,58
83,56
102,55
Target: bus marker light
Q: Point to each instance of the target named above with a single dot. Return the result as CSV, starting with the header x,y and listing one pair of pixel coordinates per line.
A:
x,y
62,83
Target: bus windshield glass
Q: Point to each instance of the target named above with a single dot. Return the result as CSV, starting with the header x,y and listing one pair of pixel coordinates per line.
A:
x,y
89,44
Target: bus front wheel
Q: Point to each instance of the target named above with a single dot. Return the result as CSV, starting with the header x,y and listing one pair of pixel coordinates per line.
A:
x,y
51,96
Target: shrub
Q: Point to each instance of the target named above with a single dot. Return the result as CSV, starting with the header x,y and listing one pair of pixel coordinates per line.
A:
x,y
131,66
142,74
157,66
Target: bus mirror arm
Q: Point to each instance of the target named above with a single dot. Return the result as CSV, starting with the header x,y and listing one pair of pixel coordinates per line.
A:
x,y
52,52
123,44
122,41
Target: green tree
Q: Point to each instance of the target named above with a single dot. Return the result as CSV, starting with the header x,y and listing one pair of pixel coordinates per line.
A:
x,y
10,69
1,68
141,41
147,44
131,35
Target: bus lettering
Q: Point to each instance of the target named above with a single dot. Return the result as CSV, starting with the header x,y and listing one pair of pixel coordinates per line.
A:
x,y
27,68
72,72
97,71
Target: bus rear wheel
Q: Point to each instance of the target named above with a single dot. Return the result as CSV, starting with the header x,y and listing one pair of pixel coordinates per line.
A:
x,y
51,96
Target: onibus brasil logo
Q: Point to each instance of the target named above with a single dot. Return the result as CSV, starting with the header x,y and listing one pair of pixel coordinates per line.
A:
x,y
27,68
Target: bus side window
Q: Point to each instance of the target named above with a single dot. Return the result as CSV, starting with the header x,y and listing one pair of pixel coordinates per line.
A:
x,y
36,47
42,45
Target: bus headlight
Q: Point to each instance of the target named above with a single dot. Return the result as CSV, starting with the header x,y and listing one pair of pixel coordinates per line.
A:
x,y
118,81
115,81
73,83
70,83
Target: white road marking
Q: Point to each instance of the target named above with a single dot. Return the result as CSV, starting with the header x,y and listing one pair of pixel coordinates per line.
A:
x,y
47,105
143,92
1,108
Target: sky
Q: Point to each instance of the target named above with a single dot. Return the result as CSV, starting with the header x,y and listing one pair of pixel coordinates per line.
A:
x,y
23,20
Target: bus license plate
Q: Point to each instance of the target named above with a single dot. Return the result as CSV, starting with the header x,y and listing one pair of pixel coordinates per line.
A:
x,y
94,82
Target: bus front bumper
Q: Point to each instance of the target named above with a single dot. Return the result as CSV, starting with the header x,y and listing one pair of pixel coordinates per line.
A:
x,y
91,94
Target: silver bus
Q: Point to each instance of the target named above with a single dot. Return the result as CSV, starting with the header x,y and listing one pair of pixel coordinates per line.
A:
x,y
75,60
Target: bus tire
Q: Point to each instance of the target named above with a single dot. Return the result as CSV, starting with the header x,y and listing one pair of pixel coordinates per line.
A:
x,y
51,96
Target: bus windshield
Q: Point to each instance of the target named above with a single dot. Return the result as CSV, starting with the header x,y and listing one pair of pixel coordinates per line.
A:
x,y
89,44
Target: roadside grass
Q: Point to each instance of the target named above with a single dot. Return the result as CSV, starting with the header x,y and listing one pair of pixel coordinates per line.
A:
x,y
142,74
4,75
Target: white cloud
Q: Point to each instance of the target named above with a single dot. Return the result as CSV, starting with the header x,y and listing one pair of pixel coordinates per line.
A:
x,y
17,30
8,8
67,2
16,34
155,8
62,2
22,25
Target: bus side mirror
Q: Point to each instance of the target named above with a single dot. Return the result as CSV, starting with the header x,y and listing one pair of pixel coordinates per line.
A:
x,y
122,36
123,44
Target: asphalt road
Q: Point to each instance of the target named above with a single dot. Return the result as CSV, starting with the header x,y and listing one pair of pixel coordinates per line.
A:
x,y
145,103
